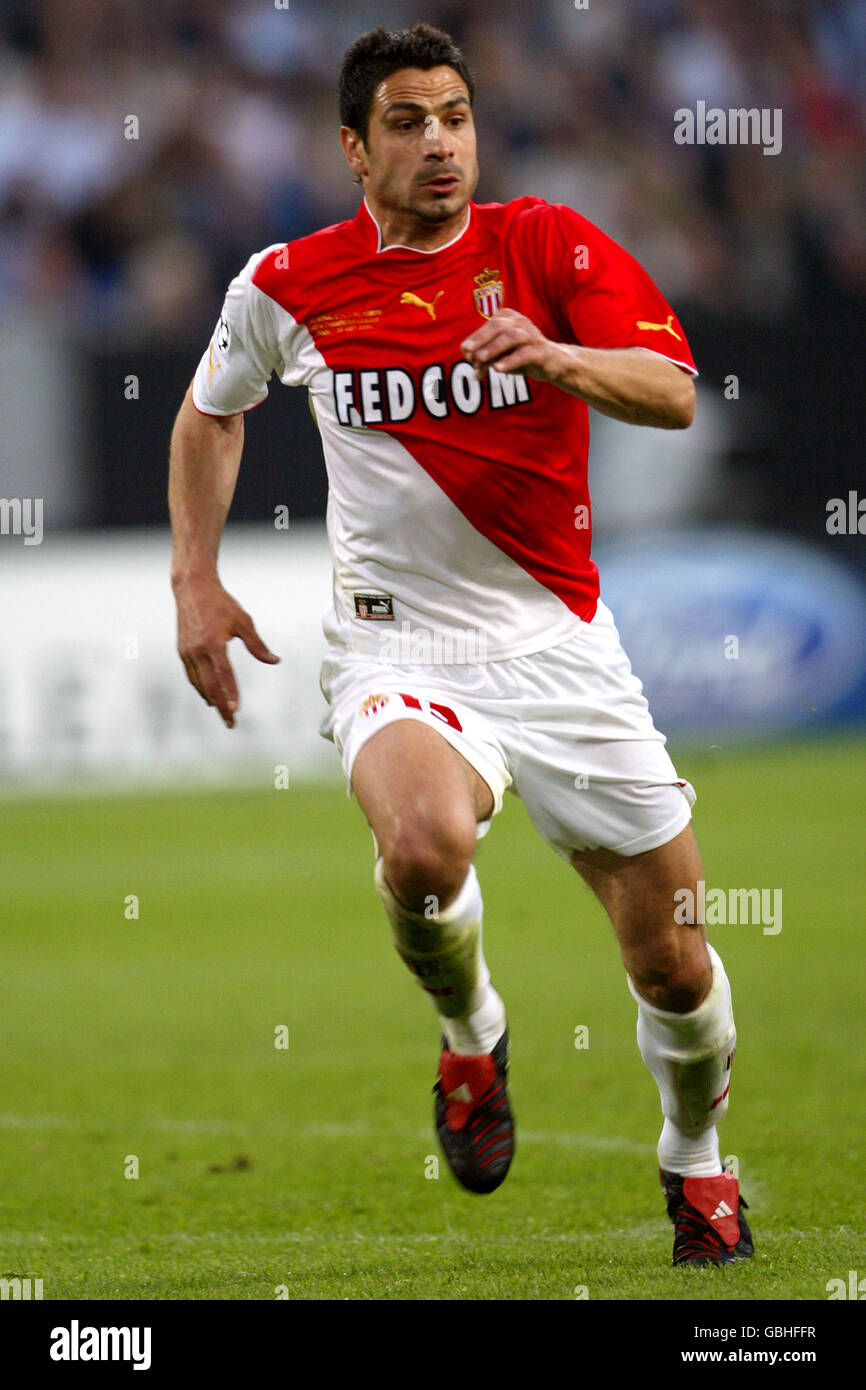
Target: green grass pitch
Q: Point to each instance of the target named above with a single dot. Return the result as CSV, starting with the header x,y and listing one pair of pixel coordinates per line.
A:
x,y
307,1170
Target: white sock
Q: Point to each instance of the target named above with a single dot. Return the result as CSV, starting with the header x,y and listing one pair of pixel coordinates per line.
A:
x,y
690,1057
444,952
692,1157
482,1029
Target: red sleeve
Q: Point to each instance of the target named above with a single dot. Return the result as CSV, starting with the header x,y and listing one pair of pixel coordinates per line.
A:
x,y
602,297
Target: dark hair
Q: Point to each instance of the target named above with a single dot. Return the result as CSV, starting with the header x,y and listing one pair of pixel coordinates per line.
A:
x,y
375,55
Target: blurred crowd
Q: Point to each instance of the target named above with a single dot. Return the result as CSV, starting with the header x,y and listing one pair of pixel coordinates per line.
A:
x,y
127,227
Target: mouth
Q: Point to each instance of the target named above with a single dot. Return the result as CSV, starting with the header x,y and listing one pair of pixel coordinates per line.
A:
x,y
443,183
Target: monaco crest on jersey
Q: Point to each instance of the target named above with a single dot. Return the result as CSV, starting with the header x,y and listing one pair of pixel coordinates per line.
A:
x,y
489,294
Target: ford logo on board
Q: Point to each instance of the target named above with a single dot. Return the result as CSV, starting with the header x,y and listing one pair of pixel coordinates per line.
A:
x,y
738,631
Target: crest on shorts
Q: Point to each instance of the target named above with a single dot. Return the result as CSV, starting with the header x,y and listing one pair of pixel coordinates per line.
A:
x,y
489,293
372,705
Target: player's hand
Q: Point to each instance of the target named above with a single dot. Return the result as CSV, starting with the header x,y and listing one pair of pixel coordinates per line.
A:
x,y
510,342
207,618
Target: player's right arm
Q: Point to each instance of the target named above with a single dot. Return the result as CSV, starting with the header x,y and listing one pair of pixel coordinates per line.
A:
x,y
203,470
206,446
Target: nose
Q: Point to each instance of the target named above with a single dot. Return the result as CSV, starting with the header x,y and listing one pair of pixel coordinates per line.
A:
x,y
434,134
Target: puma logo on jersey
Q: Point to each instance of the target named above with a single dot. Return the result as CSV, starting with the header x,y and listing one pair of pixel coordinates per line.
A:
x,y
407,297
721,1211
661,327
211,365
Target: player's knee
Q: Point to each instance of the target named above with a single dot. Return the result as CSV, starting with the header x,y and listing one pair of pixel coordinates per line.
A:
x,y
424,862
672,981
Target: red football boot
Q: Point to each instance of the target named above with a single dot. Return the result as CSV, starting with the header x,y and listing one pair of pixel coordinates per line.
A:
x,y
473,1117
709,1225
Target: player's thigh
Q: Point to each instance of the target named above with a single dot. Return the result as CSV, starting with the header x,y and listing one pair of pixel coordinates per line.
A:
x,y
666,958
422,799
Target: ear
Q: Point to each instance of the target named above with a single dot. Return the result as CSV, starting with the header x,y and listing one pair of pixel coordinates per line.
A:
x,y
353,149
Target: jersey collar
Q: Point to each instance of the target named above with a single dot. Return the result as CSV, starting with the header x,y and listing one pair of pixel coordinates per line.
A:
x,y
417,250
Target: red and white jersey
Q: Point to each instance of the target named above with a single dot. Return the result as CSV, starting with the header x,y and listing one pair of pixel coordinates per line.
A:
x,y
458,510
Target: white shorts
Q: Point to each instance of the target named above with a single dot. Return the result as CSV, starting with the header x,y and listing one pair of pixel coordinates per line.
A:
x,y
566,729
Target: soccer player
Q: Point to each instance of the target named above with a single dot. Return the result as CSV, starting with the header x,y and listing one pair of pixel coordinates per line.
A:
x,y
451,351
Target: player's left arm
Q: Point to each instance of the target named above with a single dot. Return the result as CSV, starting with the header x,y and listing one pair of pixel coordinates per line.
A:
x,y
633,384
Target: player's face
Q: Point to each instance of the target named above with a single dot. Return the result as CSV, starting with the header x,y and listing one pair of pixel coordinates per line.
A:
x,y
419,159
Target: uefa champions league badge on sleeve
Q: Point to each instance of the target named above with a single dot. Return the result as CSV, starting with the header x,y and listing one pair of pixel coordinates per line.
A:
x,y
737,632
223,334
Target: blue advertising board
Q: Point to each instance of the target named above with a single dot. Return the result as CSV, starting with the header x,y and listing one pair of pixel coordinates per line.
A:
x,y
737,632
